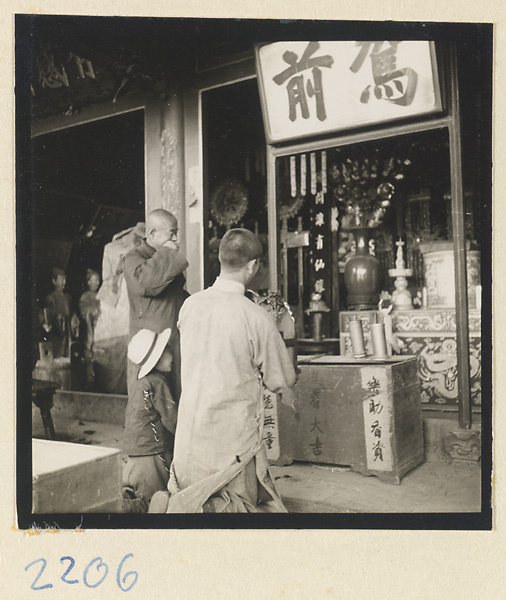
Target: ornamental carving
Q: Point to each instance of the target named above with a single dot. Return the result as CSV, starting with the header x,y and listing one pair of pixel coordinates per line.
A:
x,y
462,446
426,321
170,184
437,368
432,321
229,203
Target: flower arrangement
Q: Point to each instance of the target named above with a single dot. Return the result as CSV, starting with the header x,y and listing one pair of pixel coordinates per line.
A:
x,y
272,302
365,187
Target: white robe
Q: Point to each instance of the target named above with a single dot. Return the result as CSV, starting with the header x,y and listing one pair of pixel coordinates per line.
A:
x,y
229,348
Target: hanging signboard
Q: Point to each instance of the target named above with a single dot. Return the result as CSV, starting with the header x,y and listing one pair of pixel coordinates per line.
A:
x,y
310,88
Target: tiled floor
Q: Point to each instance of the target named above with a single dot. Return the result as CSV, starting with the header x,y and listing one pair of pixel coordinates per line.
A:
x,y
433,487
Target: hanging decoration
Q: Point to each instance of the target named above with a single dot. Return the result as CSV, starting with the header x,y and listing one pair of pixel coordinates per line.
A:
x,y
303,175
313,173
364,187
293,176
324,171
229,203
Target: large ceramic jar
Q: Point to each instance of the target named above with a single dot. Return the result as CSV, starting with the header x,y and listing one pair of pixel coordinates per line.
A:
x,y
362,274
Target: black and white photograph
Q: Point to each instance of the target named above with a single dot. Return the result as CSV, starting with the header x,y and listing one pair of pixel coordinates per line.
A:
x,y
254,273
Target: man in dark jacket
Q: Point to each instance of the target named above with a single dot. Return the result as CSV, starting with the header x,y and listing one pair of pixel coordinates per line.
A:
x,y
155,284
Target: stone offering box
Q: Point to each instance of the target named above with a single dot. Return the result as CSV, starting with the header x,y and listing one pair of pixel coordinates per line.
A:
x,y
74,478
362,413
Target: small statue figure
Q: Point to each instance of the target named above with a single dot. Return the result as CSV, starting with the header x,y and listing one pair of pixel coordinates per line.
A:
x,y
89,309
399,262
60,322
385,307
418,300
401,296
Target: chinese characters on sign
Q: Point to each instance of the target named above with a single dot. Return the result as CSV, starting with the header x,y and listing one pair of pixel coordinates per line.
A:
x,y
303,79
270,430
53,74
377,412
319,233
316,87
390,83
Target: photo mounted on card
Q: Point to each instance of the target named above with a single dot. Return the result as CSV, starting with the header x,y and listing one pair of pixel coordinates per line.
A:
x,y
253,273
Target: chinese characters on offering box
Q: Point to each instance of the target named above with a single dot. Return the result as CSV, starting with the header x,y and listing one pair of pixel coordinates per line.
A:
x,y
316,427
316,87
377,408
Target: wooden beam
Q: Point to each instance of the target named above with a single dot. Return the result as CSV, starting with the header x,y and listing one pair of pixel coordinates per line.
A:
x,y
89,114
346,139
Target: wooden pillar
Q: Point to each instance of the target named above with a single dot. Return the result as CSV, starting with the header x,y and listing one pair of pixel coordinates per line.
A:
x,y
172,188
272,220
459,249
152,153
195,217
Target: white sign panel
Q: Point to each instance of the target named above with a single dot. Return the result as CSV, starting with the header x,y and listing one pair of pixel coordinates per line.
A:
x,y
309,88
377,409
271,427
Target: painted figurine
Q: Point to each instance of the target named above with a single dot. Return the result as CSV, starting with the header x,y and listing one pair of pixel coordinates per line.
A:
x,y
60,322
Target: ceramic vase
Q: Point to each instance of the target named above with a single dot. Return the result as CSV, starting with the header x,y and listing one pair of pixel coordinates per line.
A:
x,y
362,274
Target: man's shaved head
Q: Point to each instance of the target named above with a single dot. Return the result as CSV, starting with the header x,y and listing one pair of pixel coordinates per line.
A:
x,y
161,227
161,218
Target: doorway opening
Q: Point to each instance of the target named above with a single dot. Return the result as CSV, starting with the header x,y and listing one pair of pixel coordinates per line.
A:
x,y
235,178
87,186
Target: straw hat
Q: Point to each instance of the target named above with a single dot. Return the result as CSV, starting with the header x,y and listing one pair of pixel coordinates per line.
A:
x,y
146,347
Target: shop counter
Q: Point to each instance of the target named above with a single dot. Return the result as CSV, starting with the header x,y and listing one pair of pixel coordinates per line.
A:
x,y
362,413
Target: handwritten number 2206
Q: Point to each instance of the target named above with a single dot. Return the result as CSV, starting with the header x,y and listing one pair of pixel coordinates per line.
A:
x,y
100,566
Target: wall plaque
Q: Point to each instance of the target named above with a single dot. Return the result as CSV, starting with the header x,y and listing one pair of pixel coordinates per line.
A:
x,y
311,88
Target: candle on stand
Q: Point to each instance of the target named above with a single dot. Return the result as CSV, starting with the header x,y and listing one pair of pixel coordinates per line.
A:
x,y
357,338
379,341
424,297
